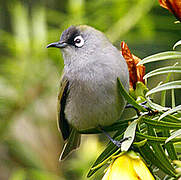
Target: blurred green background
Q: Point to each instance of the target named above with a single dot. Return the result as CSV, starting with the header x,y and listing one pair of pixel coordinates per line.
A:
x,y
30,143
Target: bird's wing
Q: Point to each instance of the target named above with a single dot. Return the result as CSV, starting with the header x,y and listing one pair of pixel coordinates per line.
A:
x,y
62,97
72,144
70,135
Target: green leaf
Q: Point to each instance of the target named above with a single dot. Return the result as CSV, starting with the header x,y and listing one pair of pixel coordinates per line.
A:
x,y
173,98
156,106
110,149
108,152
166,86
106,160
178,43
140,143
155,139
158,149
171,118
161,56
140,90
163,94
162,124
174,135
128,98
163,70
175,109
151,156
169,147
130,134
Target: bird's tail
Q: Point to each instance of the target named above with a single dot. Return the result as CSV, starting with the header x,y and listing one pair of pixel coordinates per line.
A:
x,y
72,143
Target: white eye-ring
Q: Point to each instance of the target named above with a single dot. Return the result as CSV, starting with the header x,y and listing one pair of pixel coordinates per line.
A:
x,y
79,41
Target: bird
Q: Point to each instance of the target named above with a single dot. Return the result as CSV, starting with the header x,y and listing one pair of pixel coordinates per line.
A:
x,y
88,97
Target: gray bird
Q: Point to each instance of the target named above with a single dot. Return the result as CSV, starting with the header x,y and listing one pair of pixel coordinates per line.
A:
x,y
88,96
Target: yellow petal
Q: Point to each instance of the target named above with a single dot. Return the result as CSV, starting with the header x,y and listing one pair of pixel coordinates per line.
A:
x,y
106,176
121,169
128,166
141,170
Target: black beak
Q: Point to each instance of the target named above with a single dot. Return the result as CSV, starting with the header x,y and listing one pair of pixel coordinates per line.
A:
x,y
59,44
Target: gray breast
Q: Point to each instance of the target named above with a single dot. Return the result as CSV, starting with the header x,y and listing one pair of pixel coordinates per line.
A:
x,y
93,98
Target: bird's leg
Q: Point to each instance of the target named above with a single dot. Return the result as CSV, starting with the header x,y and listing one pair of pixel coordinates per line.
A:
x,y
150,111
117,143
131,106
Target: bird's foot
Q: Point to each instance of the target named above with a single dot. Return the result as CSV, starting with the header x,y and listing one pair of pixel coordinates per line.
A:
x,y
117,143
149,113
131,106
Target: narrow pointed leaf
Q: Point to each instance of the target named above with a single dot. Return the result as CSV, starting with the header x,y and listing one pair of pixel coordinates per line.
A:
x,y
166,86
155,139
106,160
174,135
177,44
110,149
104,155
163,94
148,153
169,147
156,106
162,124
173,98
177,108
128,98
161,56
130,134
140,143
171,118
159,152
164,70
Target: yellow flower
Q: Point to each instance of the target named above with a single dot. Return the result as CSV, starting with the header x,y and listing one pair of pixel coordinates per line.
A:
x,y
128,166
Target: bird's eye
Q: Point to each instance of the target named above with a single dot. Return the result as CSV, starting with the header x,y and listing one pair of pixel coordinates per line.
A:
x,y
79,41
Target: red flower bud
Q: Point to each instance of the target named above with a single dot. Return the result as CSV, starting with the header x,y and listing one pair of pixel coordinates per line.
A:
x,y
136,73
174,6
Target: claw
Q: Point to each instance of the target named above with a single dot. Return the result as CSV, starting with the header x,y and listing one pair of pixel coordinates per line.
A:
x,y
117,143
131,106
149,113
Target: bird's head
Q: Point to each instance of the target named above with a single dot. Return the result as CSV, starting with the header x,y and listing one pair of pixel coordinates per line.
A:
x,y
79,42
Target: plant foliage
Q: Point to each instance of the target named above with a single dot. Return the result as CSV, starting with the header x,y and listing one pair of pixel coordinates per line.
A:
x,y
154,131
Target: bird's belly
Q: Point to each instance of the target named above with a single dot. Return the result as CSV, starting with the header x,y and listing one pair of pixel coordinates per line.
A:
x,y
86,109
